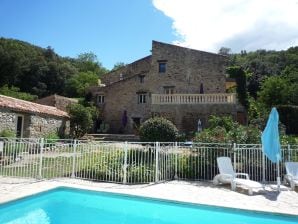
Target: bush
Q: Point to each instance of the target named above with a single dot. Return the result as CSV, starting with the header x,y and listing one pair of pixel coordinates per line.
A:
x,y
225,130
158,129
80,120
7,133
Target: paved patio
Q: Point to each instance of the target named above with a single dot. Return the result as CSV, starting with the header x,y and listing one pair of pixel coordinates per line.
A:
x,y
269,200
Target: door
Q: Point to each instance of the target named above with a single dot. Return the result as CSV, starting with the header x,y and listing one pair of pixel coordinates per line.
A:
x,y
20,125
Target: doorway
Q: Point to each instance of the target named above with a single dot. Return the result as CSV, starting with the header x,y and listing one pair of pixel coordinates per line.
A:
x,y
20,126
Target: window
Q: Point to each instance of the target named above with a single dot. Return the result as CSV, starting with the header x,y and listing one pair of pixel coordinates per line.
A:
x,y
141,77
100,99
142,97
121,76
168,89
162,67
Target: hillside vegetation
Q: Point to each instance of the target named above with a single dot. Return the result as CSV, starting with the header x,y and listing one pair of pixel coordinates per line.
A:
x,y
41,72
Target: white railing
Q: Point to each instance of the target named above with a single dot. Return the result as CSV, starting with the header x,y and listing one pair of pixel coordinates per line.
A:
x,y
139,162
218,98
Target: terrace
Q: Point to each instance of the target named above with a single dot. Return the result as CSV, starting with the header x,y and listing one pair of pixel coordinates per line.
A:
x,y
218,98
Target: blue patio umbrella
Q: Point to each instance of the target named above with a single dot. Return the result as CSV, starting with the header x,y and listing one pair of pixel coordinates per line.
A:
x,y
270,141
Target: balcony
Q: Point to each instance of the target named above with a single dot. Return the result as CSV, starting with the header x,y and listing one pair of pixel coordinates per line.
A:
x,y
217,98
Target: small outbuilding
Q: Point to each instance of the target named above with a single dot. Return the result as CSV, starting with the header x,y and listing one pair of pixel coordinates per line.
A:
x,y
31,120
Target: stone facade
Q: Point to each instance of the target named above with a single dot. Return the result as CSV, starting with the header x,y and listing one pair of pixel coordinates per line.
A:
x,y
169,70
34,126
138,67
31,120
60,102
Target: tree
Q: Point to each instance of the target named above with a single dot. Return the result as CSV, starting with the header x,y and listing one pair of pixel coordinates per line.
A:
x,y
15,92
87,62
80,120
224,51
118,65
275,91
76,85
240,75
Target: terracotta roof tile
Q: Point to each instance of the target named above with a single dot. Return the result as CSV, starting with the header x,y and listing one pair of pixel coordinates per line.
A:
x,y
26,106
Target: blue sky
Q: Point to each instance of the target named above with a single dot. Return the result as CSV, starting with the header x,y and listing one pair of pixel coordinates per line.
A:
x,y
115,30
122,30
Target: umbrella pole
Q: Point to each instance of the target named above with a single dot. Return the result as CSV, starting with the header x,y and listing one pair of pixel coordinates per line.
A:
x,y
263,164
278,175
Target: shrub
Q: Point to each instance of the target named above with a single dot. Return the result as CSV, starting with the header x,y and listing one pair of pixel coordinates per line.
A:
x,y
225,130
7,133
80,120
158,129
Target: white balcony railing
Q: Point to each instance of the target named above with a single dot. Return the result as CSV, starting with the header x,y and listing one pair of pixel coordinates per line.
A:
x,y
217,98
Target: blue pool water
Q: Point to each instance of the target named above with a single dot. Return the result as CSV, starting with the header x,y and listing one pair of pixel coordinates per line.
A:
x,y
67,205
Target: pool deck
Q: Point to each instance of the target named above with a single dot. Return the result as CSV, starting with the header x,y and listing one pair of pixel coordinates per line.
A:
x,y
269,200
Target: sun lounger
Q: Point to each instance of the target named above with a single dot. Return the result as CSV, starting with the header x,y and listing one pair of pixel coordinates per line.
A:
x,y
292,174
227,175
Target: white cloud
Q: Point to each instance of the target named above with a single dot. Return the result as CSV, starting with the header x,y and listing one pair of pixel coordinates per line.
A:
x,y
237,24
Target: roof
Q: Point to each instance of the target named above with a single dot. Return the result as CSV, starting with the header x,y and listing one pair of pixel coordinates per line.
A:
x,y
187,48
54,98
29,107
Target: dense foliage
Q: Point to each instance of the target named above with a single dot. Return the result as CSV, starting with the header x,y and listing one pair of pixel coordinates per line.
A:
x,y
15,92
80,120
225,130
158,129
40,71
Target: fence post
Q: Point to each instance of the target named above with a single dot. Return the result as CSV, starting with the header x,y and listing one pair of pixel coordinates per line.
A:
x,y
156,161
73,175
289,153
41,144
263,164
125,164
234,155
176,161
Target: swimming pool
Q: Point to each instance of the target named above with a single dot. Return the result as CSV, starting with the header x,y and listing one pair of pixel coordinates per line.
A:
x,y
67,205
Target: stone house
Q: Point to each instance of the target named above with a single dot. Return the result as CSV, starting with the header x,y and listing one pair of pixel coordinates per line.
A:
x,y
60,102
183,85
31,120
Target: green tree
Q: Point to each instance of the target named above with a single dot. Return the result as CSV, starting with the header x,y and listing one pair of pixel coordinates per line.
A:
x,y
275,91
15,92
77,85
224,51
118,65
80,120
240,75
88,62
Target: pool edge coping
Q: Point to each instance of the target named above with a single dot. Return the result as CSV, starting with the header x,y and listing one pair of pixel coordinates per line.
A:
x,y
181,202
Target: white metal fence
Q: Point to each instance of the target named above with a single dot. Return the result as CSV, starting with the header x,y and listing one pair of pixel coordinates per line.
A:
x,y
132,163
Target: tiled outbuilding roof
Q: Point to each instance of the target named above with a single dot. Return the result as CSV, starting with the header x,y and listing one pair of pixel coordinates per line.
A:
x,y
29,107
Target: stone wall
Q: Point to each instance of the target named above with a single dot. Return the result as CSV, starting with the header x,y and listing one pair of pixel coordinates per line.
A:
x,y
7,120
57,101
186,71
121,97
186,117
41,126
138,67
34,126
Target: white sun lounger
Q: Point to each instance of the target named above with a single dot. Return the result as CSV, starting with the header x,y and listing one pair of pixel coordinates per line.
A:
x,y
227,175
292,174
